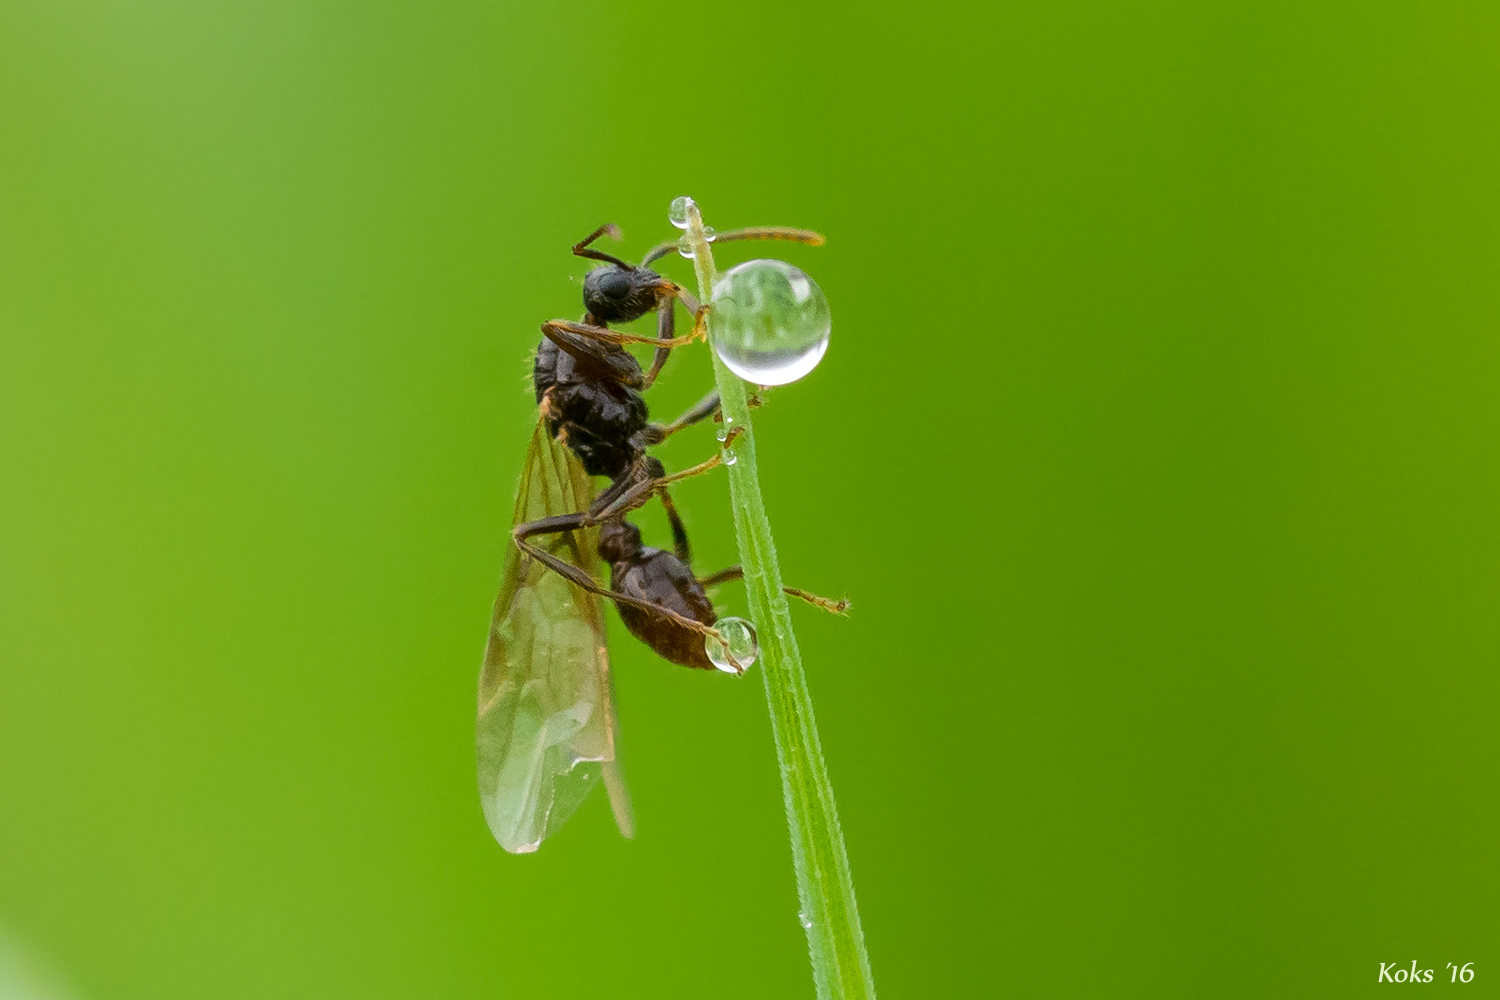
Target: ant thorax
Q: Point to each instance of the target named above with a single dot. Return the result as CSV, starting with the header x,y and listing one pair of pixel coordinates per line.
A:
x,y
599,419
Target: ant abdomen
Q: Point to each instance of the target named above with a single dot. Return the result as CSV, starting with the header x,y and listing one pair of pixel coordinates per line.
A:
x,y
661,579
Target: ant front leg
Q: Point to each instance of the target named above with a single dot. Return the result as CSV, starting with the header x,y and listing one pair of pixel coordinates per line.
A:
x,y
666,325
833,607
604,335
580,342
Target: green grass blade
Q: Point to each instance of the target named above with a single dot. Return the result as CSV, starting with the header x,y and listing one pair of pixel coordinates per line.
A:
x,y
825,888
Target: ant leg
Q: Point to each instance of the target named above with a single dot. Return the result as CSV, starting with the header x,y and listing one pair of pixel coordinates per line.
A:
x,y
605,335
783,233
634,490
737,573
679,533
580,249
666,318
702,467
584,347
722,576
580,579
702,410
839,607
631,492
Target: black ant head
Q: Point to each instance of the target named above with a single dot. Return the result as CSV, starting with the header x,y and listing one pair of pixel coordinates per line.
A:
x,y
619,293
618,541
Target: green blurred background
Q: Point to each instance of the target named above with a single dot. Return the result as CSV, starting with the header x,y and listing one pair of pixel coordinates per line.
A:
x,y
1156,447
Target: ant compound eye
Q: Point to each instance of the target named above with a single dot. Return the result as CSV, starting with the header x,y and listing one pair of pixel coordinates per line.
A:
x,y
614,282
770,322
605,288
738,648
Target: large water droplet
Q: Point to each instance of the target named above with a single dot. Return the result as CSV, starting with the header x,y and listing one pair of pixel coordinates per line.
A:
x,y
739,643
770,322
677,212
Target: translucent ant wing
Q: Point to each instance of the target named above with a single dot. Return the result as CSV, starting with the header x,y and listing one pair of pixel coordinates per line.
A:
x,y
546,704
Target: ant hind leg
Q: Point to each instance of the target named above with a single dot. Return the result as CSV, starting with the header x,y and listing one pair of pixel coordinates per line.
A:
x,y
833,607
580,579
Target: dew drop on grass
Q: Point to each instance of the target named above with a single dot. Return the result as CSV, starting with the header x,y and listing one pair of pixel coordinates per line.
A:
x,y
685,245
740,637
677,212
770,322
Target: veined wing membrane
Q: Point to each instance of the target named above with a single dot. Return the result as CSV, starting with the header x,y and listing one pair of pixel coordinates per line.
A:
x,y
547,725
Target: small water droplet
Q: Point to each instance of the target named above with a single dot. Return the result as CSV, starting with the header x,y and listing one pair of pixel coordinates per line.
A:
x,y
709,234
721,434
770,322
677,213
804,920
730,457
738,642
685,247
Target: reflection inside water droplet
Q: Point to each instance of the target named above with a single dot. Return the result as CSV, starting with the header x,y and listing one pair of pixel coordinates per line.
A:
x,y
739,635
770,322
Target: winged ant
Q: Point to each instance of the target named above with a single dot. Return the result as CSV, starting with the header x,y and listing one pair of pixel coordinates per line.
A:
x,y
546,722
588,389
